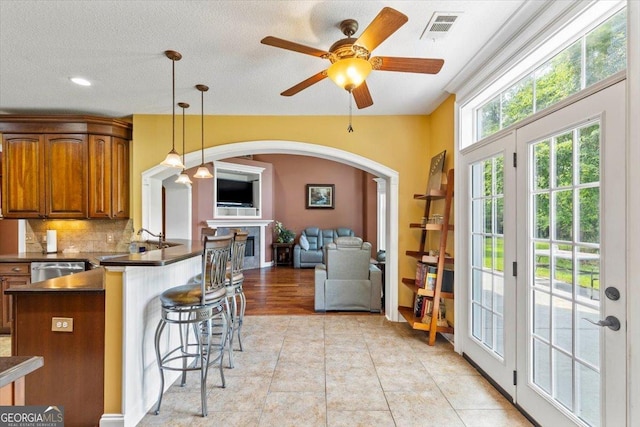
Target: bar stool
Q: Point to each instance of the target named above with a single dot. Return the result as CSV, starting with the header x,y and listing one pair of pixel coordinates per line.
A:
x,y
207,232
235,294
200,307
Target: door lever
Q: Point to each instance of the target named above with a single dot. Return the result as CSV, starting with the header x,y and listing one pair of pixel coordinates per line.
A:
x,y
610,322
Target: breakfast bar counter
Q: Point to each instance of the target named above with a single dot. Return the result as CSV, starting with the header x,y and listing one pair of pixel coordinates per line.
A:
x,y
110,314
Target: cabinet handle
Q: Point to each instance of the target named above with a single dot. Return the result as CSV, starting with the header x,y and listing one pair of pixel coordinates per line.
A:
x,y
16,269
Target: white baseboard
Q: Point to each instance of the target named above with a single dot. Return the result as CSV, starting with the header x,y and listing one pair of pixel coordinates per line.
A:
x,y
112,420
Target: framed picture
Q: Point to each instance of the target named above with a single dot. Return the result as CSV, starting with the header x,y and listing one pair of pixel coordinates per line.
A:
x,y
435,171
321,196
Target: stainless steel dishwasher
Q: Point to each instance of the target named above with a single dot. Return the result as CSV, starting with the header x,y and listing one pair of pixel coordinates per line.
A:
x,y
48,270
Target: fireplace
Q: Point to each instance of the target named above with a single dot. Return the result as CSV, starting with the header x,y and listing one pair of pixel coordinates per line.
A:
x,y
249,249
256,249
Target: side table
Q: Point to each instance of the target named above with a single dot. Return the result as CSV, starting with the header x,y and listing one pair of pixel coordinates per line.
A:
x,y
282,254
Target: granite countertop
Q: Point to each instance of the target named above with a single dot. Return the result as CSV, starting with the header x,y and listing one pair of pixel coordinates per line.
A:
x,y
86,281
181,250
16,367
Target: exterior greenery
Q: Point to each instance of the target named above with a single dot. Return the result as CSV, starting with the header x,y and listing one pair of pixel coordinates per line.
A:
x,y
596,56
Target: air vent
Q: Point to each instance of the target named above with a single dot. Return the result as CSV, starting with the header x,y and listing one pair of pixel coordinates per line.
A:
x,y
440,25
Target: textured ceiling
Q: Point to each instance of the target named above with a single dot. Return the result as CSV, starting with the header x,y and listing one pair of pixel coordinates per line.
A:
x,y
119,46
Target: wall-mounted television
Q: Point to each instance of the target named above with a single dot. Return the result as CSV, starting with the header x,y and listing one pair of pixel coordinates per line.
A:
x,y
234,193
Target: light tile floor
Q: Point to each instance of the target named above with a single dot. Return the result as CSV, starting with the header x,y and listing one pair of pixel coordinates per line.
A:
x,y
340,371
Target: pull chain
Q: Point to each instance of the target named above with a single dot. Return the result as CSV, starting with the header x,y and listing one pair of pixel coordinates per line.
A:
x,y
350,128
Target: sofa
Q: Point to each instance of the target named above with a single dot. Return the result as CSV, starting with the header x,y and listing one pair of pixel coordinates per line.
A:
x,y
348,280
308,252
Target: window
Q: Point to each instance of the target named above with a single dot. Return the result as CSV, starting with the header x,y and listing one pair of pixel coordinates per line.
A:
x,y
595,56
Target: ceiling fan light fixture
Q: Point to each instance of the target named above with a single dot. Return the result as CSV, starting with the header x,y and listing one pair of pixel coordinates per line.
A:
x,y
349,73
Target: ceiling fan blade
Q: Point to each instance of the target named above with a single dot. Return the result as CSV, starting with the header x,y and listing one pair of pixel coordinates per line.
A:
x,y
362,96
285,44
305,84
386,23
408,65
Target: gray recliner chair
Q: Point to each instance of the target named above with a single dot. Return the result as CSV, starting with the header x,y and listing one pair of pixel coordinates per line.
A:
x,y
348,281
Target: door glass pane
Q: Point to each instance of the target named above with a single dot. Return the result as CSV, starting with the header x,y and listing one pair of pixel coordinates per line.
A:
x,y
487,258
542,315
542,365
563,223
588,394
589,222
564,160
589,154
565,348
562,376
541,165
562,320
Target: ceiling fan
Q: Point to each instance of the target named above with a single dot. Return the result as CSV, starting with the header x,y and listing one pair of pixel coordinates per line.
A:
x,y
351,60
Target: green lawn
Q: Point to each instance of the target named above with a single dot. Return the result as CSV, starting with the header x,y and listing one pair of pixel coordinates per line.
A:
x,y
563,266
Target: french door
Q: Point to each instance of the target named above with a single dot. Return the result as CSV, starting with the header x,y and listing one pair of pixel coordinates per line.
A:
x,y
489,181
560,307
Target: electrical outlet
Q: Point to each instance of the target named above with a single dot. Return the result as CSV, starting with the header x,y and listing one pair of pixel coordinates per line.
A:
x,y
109,238
62,324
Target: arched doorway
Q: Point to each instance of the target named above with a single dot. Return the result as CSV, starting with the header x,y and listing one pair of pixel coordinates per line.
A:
x,y
152,192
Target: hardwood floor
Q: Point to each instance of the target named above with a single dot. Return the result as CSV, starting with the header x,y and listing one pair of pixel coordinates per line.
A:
x,y
281,290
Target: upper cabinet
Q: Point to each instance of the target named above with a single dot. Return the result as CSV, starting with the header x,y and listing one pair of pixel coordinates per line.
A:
x,y
108,177
65,167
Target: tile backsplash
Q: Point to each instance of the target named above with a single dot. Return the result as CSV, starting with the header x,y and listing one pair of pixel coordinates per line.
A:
x,y
85,236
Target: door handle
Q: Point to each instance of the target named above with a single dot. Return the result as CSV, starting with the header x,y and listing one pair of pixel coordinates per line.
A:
x,y
610,322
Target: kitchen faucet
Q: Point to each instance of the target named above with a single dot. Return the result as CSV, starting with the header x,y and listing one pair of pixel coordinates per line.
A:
x,y
160,236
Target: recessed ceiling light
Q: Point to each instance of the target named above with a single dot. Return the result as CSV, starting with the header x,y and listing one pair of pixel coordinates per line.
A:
x,y
80,81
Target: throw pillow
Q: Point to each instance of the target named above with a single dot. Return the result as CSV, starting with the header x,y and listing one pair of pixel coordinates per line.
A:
x,y
304,243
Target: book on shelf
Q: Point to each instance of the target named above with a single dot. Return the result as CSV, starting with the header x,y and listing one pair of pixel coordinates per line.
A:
x,y
441,320
419,306
431,277
421,273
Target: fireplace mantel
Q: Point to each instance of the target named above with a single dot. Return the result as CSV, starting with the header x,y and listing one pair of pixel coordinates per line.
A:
x,y
244,223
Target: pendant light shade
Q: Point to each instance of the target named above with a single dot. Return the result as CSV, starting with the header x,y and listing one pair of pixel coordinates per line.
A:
x,y
183,178
173,158
203,170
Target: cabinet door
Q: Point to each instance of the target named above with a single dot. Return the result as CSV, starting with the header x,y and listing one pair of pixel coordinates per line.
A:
x,y
66,176
99,176
7,301
120,178
23,186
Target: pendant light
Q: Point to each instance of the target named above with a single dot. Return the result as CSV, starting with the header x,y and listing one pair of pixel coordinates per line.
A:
x,y
173,158
203,171
183,178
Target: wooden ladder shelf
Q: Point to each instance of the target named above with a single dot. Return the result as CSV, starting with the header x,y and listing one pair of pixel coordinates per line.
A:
x,y
430,295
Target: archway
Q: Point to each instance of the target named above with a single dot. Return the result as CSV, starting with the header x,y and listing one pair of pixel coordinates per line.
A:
x,y
152,192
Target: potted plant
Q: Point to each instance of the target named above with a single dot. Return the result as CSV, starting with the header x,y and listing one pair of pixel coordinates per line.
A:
x,y
283,235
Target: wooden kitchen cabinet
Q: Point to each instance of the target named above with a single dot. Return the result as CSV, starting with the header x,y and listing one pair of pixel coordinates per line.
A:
x,y
66,176
45,176
23,188
65,167
108,177
16,275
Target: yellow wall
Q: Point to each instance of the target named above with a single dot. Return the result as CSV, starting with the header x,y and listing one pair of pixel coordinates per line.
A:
x,y
402,143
